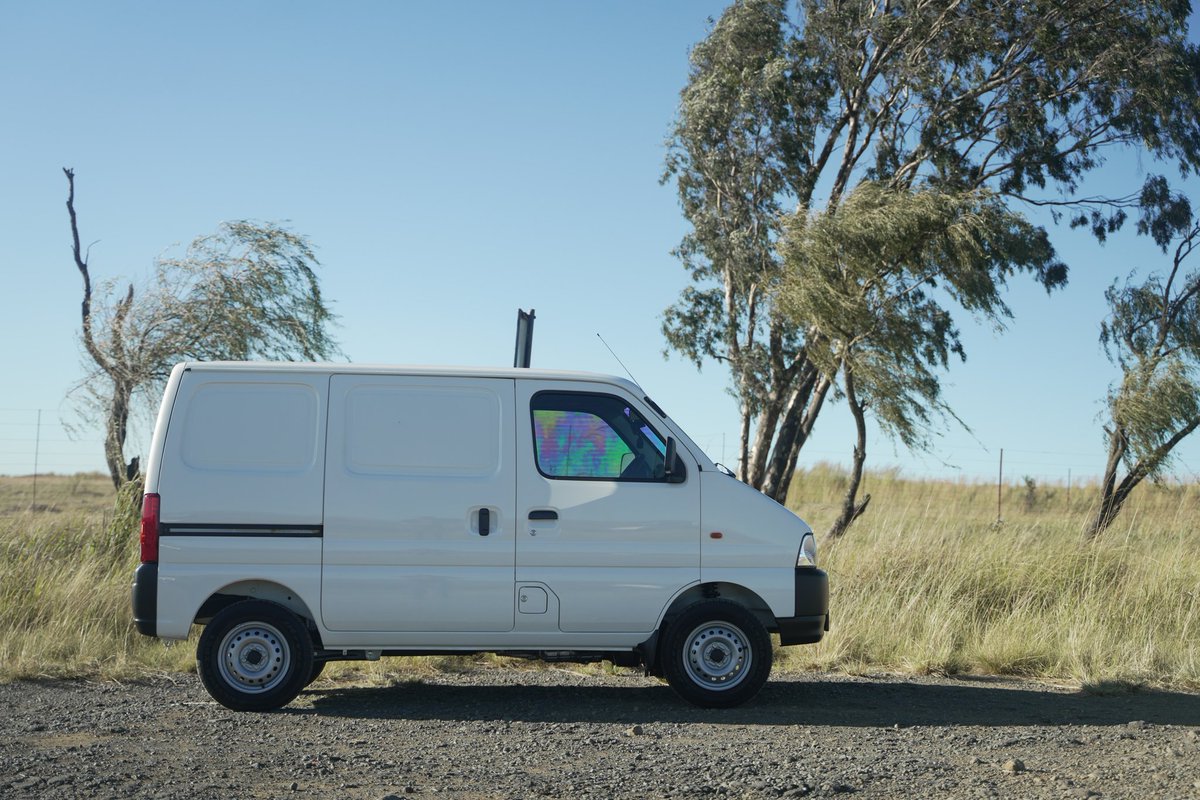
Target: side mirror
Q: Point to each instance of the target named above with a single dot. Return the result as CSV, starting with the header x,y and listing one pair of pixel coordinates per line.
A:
x,y
673,470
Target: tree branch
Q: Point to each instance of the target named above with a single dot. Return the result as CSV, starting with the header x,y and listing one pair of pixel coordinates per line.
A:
x,y
82,265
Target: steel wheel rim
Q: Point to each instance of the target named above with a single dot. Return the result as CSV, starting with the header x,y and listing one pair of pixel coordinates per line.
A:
x,y
717,656
254,657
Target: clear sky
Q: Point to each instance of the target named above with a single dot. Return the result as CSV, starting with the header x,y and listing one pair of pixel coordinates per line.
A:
x,y
451,162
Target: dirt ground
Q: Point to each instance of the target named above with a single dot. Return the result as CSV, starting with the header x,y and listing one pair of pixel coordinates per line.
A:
x,y
503,732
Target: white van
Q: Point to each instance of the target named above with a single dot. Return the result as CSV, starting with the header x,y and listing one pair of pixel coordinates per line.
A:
x,y
306,513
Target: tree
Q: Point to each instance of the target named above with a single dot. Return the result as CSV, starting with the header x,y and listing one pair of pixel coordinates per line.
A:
x,y
793,110
859,279
1153,335
248,291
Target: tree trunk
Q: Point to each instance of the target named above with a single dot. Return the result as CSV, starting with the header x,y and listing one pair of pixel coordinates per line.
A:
x,y
1109,506
806,427
764,434
116,426
851,508
787,448
116,430
783,377
789,429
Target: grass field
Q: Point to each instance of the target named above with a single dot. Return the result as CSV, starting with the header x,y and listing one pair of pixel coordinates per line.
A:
x,y
927,581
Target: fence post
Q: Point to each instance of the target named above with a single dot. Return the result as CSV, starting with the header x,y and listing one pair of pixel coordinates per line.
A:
x,y
37,446
1000,487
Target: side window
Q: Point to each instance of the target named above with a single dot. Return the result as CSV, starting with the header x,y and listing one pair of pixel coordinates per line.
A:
x,y
594,436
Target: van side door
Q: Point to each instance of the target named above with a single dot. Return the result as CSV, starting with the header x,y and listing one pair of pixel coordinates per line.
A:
x,y
601,526
420,487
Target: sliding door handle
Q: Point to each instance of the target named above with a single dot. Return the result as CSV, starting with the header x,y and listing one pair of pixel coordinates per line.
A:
x,y
543,514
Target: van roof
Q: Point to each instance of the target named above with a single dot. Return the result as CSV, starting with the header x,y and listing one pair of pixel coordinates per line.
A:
x,y
332,368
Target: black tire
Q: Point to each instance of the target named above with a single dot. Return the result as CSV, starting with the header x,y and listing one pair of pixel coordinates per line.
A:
x,y
317,668
254,656
718,655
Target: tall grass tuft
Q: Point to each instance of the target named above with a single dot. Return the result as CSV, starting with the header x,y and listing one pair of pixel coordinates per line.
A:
x,y
64,596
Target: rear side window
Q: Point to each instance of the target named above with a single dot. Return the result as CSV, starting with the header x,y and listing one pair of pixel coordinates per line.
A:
x,y
587,436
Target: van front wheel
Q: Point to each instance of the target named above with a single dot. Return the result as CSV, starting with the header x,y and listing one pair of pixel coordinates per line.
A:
x,y
718,654
254,656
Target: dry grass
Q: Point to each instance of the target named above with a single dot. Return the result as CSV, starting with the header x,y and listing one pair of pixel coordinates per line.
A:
x,y
925,582
65,569
85,494
928,581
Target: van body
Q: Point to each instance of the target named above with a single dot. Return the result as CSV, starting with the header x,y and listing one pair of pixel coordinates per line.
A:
x,y
305,513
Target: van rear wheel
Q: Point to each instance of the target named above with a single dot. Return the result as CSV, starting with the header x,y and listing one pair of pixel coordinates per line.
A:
x,y
718,654
254,656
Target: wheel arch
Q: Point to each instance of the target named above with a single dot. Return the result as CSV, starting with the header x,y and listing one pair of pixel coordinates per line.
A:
x,y
739,594
749,599
270,591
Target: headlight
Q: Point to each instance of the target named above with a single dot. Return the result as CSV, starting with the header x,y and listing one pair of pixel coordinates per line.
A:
x,y
807,557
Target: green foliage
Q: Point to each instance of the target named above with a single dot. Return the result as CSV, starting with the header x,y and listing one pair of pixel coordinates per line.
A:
x,y
871,282
730,157
249,291
1153,401
1153,335
990,102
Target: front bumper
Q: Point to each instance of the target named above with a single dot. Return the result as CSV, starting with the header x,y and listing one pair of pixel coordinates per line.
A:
x,y
811,619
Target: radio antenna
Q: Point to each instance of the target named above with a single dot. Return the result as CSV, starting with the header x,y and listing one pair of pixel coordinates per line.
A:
x,y
619,361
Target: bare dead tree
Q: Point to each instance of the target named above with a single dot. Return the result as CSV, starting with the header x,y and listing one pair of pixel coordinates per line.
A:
x,y
112,359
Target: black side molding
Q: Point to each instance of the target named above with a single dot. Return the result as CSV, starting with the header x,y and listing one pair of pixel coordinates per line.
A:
x,y
225,529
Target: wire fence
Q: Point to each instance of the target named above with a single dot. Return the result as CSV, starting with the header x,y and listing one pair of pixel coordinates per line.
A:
x,y
38,441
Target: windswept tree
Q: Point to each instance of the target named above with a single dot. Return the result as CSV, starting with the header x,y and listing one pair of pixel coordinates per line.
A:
x,y
248,291
1153,335
789,108
871,283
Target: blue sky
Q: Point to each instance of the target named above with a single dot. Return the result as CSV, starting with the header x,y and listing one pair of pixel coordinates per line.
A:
x,y
451,162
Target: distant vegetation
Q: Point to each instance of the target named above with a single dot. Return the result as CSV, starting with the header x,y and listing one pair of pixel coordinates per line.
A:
x,y
930,583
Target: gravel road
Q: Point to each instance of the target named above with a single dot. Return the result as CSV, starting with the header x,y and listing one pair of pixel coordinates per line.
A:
x,y
502,732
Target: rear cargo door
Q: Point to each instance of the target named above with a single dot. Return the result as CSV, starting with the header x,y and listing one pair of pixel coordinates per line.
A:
x,y
419,505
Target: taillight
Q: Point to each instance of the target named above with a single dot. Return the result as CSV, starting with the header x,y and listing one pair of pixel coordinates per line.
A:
x,y
150,528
